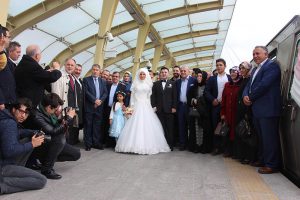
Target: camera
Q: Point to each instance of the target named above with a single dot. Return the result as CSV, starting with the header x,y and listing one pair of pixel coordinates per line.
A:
x,y
47,138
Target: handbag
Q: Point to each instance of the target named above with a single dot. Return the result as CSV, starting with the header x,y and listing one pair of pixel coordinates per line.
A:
x,y
194,113
222,129
243,128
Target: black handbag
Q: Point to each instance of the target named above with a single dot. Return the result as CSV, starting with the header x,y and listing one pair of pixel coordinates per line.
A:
x,y
243,128
222,129
194,113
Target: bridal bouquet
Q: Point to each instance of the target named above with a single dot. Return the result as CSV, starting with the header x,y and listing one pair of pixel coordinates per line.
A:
x,y
128,112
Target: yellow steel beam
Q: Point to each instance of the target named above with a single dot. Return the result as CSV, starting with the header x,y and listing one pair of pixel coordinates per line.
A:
x,y
140,43
4,12
107,15
131,25
36,14
157,55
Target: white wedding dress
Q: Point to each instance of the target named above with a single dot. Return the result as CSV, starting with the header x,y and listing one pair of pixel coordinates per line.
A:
x,y
143,132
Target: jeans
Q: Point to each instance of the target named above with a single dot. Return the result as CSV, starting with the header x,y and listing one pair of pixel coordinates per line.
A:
x,y
15,178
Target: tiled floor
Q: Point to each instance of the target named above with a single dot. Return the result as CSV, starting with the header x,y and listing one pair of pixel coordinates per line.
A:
x,y
176,175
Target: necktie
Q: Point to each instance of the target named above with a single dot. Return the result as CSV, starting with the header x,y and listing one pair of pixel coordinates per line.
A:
x,y
71,82
97,88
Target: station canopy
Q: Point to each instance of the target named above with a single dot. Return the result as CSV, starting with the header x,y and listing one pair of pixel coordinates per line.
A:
x,y
192,32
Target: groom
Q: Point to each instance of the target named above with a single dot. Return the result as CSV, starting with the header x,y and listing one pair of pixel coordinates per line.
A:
x,y
164,102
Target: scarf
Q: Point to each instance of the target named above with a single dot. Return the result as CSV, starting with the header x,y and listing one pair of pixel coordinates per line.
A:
x,y
53,118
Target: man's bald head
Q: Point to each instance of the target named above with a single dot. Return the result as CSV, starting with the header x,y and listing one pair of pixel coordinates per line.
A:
x,y
34,51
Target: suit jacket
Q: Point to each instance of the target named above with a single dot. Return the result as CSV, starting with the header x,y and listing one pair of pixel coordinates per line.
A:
x,y
164,99
31,79
264,91
90,94
120,87
211,88
191,83
8,84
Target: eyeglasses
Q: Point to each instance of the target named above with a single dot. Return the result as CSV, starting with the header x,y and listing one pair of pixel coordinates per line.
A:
x,y
24,112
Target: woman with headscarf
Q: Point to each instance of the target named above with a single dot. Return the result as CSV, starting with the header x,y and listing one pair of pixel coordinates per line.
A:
x,y
246,152
198,125
143,132
228,110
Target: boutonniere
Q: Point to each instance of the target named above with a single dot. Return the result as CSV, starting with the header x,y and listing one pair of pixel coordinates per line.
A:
x,y
191,84
169,85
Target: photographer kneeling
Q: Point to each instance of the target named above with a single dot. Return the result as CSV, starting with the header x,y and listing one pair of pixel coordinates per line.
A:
x,y
55,148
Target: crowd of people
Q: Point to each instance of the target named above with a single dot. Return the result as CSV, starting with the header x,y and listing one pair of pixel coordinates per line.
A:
x,y
42,111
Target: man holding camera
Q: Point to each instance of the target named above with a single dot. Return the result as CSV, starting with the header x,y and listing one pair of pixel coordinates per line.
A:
x,y
16,146
46,119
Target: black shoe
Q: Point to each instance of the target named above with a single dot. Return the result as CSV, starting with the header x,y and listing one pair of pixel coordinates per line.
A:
x,y
50,174
87,148
36,166
100,147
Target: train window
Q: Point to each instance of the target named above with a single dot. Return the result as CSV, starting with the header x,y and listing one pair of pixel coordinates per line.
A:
x,y
295,81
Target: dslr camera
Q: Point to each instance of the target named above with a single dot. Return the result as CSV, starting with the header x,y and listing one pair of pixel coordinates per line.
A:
x,y
47,138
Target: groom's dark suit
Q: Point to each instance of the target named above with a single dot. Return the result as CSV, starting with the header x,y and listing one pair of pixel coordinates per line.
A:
x,y
164,99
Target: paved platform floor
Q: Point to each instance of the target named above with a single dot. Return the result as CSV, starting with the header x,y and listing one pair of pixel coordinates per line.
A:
x,y
106,175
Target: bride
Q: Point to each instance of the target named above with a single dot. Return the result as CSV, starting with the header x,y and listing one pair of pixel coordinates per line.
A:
x,y
143,132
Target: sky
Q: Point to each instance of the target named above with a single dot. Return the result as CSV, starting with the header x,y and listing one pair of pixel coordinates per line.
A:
x,y
255,22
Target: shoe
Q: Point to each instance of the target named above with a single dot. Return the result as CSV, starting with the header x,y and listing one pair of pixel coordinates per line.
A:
x,y
50,174
215,152
256,164
181,148
267,170
226,155
100,147
36,166
245,162
87,148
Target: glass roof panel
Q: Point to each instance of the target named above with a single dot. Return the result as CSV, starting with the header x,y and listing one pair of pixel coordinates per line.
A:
x,y
177,31
204,17
114,44
205,26
224,25
121,16
191,2
151,7
51,52
93,7
84,32
149,52
181,47
171,23
126,60
226,12
83,57
86,66
16,7
73,19
129,36
178,43
185,57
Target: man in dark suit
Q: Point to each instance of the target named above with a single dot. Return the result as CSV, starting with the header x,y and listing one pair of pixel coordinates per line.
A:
x,y
95,95
112,97
262,93
184,84
31,78
213,95
8,84
164,101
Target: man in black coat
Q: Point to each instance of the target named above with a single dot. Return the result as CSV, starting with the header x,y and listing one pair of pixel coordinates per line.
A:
x,y
164,101
31,78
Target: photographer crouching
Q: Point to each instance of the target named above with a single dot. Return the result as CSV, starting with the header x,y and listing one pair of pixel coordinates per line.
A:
x,y
46,119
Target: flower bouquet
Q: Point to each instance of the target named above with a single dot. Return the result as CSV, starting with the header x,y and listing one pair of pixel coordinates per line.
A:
x,y
128,112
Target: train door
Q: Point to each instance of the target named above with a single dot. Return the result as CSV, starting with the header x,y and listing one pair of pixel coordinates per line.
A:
x,y
290,121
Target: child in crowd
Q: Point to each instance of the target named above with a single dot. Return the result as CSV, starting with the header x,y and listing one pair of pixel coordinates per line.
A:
x,y
116,117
